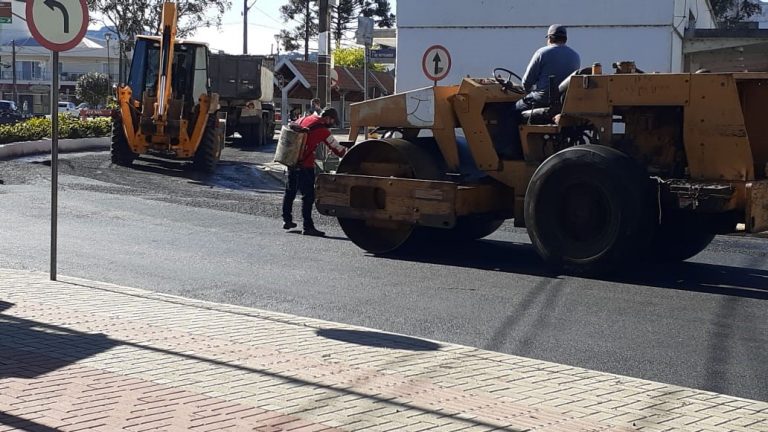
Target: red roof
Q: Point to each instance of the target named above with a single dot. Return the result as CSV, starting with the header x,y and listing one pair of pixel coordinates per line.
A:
x,y
350,79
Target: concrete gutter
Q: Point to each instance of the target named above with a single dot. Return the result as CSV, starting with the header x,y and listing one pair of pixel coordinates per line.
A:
x,y
28,148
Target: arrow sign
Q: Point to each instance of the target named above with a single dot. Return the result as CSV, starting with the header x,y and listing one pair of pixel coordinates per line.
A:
x,y
436,62
58,25
52,4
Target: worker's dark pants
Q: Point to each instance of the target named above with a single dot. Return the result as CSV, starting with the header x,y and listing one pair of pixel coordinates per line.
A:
x,y
300,180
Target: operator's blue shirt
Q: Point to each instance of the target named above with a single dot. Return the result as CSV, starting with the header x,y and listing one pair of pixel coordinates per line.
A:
x,y
557,60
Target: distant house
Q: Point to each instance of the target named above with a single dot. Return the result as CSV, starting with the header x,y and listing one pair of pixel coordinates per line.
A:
x,y
296,85
33,64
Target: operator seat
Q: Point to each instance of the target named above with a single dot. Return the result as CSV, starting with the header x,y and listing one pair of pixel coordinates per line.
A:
x,y
544,115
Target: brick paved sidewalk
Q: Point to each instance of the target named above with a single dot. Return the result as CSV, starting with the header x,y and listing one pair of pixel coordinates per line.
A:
x,y
82,355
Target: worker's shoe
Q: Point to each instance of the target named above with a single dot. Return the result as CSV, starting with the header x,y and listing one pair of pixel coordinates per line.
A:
x,y
312,231
289,225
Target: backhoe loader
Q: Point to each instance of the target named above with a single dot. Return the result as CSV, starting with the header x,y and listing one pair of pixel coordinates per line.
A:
x,y
166,108
621,168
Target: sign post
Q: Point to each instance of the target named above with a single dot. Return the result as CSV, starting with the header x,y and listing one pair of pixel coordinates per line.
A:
x,y
436,63
364,36
58,25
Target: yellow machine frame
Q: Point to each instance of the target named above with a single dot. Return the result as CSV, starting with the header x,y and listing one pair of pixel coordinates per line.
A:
x,y
724,138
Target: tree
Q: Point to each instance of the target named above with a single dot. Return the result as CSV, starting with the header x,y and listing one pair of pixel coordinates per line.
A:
x,y
129,18
353,58
304,13
345,15
731,12
343,20
93,88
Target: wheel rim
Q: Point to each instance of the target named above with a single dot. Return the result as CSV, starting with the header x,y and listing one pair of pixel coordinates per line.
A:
x,y
384,158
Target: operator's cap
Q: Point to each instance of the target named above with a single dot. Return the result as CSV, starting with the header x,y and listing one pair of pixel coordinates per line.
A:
x,y
557,30
332,113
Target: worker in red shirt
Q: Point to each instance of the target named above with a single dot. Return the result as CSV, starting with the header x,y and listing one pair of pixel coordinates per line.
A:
x,y
302,177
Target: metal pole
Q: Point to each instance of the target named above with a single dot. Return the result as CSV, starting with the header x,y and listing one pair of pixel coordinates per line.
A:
x,y
109,68
324,56
54,160
13,68
365,70
120,62
365,80
245,26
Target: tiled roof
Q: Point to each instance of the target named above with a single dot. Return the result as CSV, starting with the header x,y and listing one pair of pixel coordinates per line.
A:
x,y
350,79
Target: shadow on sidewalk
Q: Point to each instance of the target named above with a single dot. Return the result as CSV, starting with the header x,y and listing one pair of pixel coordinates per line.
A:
x,y
29,349
521,258
23,424
378,339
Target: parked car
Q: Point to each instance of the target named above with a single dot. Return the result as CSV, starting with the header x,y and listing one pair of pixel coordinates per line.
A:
x,y
68,108
9,112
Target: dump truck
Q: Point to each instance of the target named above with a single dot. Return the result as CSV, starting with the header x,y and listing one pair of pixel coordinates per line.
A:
x,y
621,168
166,109
245,87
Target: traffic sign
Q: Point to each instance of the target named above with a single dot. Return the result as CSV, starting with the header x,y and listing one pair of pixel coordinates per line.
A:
x,y
383,53
436,62
58,25
6,13
334,78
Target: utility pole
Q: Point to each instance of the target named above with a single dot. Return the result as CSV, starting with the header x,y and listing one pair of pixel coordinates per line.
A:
x,y
246,8
245,26
324,55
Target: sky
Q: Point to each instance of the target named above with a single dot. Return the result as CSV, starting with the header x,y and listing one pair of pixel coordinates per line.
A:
x,y
264,23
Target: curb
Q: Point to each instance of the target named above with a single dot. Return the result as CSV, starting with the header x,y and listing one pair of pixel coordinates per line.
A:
x,y
27,148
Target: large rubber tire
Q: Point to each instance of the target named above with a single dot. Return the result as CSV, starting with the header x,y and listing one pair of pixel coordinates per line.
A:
x,y
255,135
587,210
404,159
121,152
269,132
209,151
679,237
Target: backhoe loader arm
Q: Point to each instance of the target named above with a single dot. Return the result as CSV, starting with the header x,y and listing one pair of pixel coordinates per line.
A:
x,y
167,42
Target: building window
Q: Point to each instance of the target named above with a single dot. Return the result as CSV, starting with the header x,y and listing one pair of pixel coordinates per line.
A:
x,y
29,70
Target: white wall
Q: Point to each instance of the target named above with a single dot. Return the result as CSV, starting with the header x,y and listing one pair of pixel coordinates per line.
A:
x,y
483,34
479,52
528,13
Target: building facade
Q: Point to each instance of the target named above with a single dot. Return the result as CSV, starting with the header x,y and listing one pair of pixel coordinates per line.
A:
x,y
485,34
31,87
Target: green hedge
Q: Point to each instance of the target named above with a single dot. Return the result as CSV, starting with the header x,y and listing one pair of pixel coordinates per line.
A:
x,y
69,127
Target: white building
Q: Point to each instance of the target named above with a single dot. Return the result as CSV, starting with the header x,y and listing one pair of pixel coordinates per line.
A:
x,y
483,34
33,63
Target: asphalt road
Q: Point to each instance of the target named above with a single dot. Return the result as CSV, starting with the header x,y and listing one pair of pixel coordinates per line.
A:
x,y
701,324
